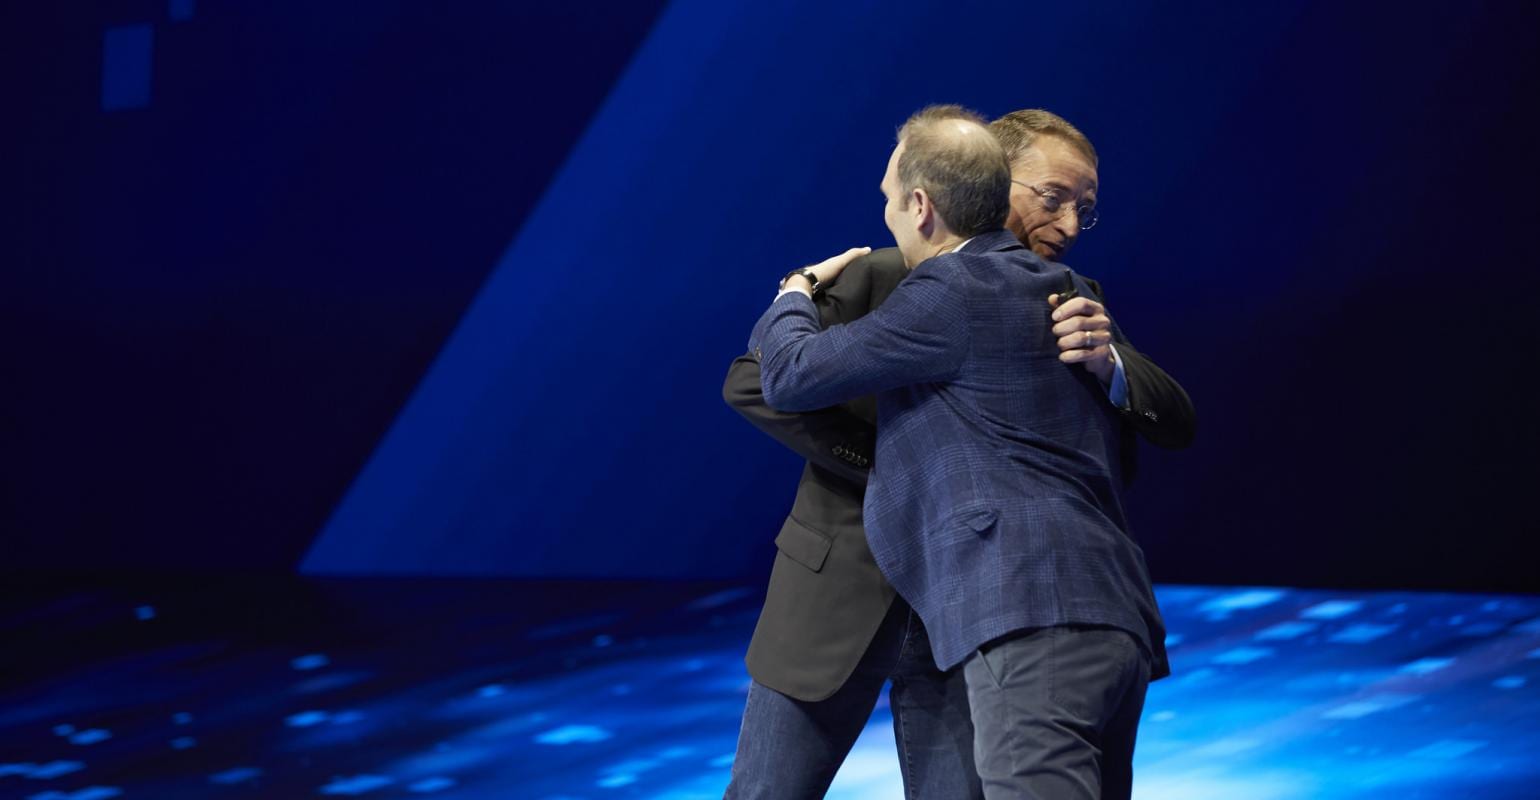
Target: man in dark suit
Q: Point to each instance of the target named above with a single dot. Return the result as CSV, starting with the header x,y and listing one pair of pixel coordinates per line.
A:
x,y
832,629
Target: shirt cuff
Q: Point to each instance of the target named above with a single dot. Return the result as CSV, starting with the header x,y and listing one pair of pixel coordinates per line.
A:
x,y
1118,391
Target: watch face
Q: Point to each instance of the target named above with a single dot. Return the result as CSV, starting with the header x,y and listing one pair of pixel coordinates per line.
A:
x,y
812,279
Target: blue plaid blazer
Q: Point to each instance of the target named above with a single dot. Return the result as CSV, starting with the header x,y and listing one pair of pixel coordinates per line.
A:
x,y
993,505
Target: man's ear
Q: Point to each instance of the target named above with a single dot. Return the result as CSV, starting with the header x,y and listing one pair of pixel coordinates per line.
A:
x,y
924,212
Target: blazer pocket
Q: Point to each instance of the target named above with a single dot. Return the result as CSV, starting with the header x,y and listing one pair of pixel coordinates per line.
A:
x,y
803,544
978,520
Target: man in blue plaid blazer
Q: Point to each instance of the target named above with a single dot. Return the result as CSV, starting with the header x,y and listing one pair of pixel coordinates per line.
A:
x,y
993,506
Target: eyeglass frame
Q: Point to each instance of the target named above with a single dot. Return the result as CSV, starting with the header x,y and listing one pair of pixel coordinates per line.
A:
x,y
1055,206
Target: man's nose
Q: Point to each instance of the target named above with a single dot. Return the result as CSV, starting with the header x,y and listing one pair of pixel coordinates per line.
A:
x,y
1068,225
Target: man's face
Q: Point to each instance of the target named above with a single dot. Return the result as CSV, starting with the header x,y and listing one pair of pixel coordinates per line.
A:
x,y
900,215
1063,177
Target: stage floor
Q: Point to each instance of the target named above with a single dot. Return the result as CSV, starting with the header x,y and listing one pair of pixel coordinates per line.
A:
x,y
290,688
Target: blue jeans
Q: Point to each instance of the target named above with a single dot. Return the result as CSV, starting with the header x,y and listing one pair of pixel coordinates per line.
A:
x,y
790,749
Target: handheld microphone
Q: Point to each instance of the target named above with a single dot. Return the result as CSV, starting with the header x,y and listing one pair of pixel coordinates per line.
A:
x,y
1069,291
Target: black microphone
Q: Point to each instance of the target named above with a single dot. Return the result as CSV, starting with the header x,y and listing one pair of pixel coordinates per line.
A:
x,y
1069,291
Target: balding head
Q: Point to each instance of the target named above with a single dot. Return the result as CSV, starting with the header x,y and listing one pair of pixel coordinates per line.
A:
x,y
949,152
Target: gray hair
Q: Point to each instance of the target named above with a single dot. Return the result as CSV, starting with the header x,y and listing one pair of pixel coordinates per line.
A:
x,y
1019,129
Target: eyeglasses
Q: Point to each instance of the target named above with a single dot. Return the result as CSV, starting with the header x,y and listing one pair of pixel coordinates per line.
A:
x,y
1056,200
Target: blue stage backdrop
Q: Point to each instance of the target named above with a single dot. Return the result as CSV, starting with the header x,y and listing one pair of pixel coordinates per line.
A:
x,y
408,288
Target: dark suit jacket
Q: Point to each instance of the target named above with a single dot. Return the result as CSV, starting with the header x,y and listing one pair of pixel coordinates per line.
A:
x,y
826,597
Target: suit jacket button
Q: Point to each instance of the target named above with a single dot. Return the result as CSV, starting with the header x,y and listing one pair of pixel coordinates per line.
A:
x,y
1151,416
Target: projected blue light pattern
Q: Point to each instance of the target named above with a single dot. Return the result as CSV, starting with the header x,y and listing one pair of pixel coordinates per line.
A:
x,y
1276,694
127,56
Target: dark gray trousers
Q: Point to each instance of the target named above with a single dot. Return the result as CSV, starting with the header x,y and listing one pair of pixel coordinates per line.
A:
x,y
1055,712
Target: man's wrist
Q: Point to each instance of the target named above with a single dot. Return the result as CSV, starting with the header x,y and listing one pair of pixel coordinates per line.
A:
x,y
797,283
807,274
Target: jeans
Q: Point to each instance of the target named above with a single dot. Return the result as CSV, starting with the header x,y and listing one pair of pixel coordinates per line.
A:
x,y
1056,711
789,748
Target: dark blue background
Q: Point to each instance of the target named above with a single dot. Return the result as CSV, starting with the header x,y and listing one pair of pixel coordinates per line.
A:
x,y
450,288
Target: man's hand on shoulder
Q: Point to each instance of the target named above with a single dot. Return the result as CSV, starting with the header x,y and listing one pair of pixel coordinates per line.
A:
x,y
1085,335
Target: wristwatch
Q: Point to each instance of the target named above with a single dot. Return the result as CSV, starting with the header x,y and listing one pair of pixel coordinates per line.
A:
x,y
806,272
